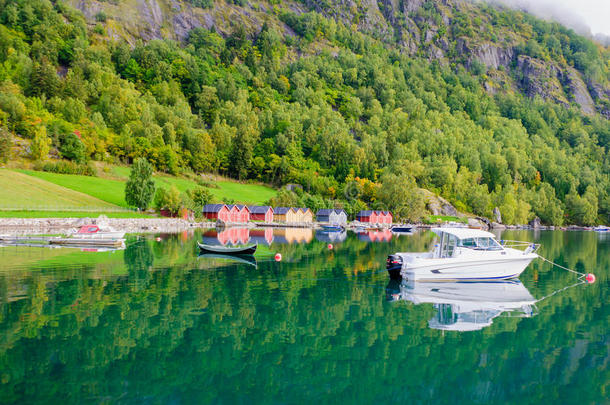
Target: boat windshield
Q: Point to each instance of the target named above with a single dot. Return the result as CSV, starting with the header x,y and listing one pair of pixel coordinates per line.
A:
x,y
480,244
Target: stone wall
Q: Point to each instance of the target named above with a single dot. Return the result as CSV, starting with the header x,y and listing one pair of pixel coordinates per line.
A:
x,y
21,226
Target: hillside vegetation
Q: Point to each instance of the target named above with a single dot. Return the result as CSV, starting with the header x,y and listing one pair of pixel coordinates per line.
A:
x,y
360,103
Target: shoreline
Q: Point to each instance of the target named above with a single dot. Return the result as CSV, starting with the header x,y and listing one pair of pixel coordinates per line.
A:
x,y
25,226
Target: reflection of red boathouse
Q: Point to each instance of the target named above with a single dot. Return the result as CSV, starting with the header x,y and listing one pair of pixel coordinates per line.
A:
x,y
229,236
261,236
376,236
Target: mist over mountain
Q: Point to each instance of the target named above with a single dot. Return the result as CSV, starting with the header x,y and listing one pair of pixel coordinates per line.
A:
x,y
550,11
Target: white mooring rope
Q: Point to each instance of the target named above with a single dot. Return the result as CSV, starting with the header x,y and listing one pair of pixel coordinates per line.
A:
x,y
580,275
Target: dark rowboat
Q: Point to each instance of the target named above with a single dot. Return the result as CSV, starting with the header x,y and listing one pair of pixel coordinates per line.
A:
x,y
245,250
402,229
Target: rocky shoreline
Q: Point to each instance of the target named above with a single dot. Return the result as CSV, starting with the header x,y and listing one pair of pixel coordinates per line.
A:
x,y
28,226
24,226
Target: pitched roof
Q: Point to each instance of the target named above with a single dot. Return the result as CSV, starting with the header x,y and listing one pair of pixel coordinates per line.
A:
x,y
212,207
281,210
256,209
339,211
365,213
324,212
241,207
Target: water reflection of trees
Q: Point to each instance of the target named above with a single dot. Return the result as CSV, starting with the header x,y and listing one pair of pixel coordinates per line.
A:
x,y
316,326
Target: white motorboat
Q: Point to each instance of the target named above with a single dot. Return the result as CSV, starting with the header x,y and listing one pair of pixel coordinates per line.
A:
x,y
602,228
466,306
97,232
464,254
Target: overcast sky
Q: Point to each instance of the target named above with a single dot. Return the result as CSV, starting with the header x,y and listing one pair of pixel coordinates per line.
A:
x,y
575,13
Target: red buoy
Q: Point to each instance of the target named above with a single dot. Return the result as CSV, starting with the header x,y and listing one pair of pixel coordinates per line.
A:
x,y
158,239
590,277
278,257
330,246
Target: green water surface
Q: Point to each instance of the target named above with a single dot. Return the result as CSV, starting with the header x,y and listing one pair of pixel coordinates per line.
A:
x,y
156,324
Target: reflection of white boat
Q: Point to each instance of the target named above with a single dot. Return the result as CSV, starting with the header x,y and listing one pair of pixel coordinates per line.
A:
x,y
466,306
463,254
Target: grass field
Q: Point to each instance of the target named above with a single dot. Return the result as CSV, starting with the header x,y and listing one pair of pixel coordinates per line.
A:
x,y
21,191
69,214
113,191
432,219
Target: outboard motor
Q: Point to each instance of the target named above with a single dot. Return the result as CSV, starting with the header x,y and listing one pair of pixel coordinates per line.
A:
x,y
394,265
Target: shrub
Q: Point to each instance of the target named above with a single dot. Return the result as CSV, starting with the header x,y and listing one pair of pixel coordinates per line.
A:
x,y
170,200
71,147
101,17
6,141
65,167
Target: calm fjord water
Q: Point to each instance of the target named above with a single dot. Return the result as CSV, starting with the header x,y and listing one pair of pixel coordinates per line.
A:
x,y
156,324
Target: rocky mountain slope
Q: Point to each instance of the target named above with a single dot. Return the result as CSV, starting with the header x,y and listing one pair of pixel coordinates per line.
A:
x,y
476,35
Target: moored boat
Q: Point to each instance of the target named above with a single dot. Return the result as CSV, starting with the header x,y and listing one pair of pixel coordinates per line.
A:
x,y
238,250
403,228
332,228
602,228
96,232
463,254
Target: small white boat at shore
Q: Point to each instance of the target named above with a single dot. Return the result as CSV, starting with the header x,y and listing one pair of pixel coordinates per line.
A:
x,y
463,254
97,232
602,228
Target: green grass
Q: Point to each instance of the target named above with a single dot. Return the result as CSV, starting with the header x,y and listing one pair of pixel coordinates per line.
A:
x,y
21,191
433,219
69,214
244,193
113,191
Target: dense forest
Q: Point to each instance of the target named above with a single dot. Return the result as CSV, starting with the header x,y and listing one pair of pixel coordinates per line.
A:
x,y
307,99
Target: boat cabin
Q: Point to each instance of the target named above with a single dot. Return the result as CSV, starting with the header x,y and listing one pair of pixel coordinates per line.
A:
x,y
453,238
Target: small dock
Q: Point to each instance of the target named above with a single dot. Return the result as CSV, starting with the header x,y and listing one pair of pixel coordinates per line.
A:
x,y
61,241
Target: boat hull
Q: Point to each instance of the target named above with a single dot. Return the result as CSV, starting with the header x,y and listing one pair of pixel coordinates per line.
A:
x,y
467,270
248,250
100,235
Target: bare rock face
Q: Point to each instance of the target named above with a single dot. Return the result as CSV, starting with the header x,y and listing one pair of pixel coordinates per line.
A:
x,y
151,14
540,78
409,6
487,53
535,223
602,95
497,215
438,205
571,78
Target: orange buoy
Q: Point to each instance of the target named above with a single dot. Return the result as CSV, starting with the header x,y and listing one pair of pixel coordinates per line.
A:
x,y
590,277
278,257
